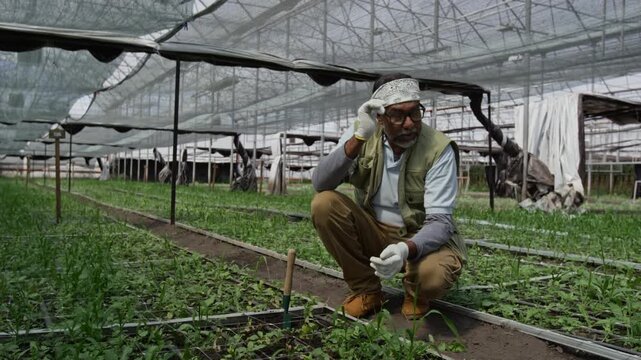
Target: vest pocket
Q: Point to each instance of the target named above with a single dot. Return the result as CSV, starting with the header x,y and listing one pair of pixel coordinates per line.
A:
x,y
415,202
415,181
414,198
361,176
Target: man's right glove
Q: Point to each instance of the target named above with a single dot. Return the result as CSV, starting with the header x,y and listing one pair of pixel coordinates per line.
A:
x,y
390,261
367,118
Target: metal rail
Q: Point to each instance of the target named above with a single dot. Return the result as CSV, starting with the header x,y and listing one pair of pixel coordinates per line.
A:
x,y
557,255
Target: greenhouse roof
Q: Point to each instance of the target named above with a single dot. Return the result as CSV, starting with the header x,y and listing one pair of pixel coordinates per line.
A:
x,y
127,76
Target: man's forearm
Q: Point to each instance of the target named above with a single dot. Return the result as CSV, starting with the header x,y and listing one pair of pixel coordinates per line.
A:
x,y
436,232
333,168
353,147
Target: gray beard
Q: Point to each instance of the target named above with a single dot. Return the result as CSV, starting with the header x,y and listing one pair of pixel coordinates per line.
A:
x,y
407,144
403,145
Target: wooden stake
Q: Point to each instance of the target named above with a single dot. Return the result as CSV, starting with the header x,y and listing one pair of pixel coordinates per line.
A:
x,y
287,288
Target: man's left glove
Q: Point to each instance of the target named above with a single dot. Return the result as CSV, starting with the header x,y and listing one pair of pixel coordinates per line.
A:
x,y
390,261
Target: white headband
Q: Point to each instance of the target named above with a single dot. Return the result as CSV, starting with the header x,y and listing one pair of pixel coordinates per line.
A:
x,y
397,91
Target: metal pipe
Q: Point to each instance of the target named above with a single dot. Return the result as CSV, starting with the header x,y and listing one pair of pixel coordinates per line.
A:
x,y
433,118
436,25
28,171
147,166
57,154
69,165
526,105
131,165
489,140
209,163
372,23
138,166
193,170
231,161
174,164
44,171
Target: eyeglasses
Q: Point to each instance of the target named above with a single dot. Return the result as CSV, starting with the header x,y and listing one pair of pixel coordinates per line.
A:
x,y
398,117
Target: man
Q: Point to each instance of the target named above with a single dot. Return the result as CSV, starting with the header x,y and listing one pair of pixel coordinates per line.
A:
x,y
404,175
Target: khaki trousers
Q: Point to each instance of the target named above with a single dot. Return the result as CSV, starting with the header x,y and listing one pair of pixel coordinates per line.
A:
x,y
352,236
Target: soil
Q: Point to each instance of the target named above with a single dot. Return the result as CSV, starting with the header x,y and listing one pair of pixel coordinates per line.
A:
x,y
482,340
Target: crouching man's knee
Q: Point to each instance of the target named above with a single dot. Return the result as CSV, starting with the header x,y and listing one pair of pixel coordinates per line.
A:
x,y
437,276
324,204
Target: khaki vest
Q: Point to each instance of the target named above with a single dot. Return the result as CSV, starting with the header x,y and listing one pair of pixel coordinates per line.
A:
x,y
367,174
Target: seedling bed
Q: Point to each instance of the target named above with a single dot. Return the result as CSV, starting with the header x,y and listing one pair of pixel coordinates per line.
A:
x,y
588,260
184,287
501,272
186,227
603,307
610,236
316,332
243,209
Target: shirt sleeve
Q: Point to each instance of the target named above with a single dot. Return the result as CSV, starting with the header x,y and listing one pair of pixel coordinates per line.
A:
x,y
436,232
333,168
441,186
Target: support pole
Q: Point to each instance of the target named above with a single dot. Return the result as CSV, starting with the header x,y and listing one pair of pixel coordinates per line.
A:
x,y
44,171
526,105
209,164
256,116
138,166
69,165
284,162
131,165
174,164
147,166
155,168
489,139
435,25
260,184
28,171
213,180
231,162
589,166
193,169
611,188
322,137
581,136
372,24
255,139
57,153
233,119
526,130
433,118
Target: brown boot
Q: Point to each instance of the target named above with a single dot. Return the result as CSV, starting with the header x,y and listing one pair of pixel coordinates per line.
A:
x,y
414,310
359,305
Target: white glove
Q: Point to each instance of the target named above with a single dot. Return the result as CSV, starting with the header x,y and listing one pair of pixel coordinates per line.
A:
x,y
367,118
390,261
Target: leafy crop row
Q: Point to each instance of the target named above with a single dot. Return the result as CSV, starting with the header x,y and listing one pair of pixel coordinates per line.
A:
x,y
572,298
89,273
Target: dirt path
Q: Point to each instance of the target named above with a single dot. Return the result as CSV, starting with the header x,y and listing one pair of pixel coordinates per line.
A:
x,y
483,341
